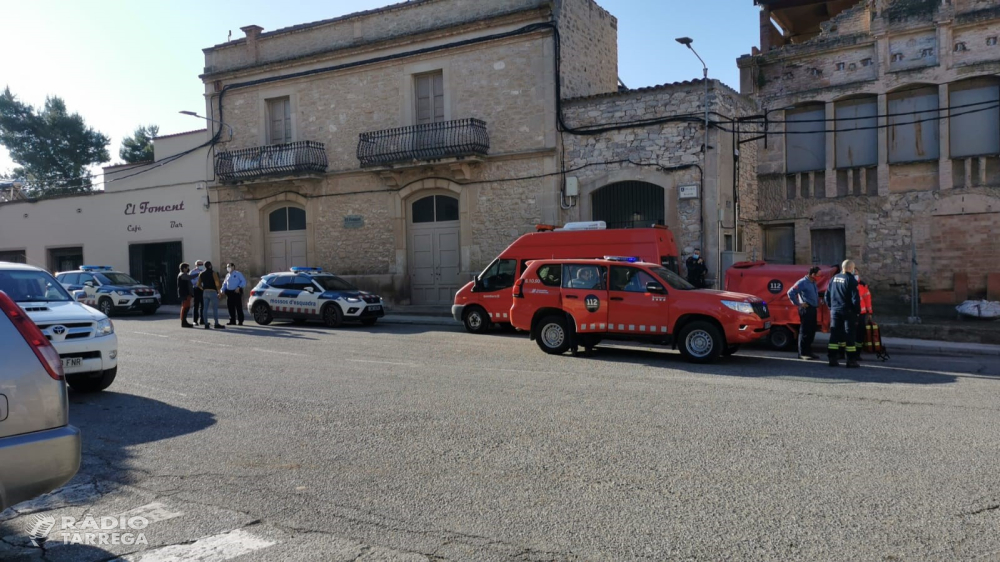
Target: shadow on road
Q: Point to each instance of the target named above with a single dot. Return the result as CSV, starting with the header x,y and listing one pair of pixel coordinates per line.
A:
x,y
111,424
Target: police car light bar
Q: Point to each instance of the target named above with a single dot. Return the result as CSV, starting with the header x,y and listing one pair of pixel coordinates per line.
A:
x,y
307,270
622,258
95,268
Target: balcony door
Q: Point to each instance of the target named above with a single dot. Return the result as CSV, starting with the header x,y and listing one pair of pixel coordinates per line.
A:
x,y
433,244
286,239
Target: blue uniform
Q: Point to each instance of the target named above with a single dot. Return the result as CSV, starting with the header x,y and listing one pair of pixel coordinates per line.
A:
x,y
845,305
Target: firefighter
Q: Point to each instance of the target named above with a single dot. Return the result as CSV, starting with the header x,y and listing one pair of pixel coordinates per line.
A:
x,y
845,304
866,312
696,269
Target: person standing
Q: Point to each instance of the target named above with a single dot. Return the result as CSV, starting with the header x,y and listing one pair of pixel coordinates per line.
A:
x,y
208,282
805,296
197,293
845,304
233,288
696,269
184,289
866,312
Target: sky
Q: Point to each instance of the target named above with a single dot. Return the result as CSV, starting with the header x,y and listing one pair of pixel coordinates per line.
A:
x,y
121,64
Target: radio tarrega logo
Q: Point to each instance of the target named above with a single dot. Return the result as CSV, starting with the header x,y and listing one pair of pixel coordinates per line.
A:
x,y
90,530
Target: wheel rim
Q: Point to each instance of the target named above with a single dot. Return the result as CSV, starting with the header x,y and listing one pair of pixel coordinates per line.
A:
x,y
699,343
780,338
475,320
331,314
553,335
259,313
106,307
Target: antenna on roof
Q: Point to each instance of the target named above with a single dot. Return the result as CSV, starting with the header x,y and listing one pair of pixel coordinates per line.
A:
x,y
230,36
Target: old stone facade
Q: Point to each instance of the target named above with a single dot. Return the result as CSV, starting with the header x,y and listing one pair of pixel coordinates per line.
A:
x,y
423,200
882,133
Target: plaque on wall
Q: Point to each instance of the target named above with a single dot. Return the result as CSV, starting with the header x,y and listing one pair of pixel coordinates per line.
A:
x,y
354,221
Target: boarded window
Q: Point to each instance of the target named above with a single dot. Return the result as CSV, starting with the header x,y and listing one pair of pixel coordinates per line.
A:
x,y
857,137
779,244
279,115
829,246
805,139
913,130
975,129
430,97
15,256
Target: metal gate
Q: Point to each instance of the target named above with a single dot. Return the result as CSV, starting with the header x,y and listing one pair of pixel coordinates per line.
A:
x,y
629,204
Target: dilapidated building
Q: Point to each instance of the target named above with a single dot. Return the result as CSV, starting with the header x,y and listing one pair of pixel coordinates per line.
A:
x,y
880,131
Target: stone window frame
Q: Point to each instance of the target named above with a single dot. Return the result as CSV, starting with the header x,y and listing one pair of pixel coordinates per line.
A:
x,y
265,95
408,86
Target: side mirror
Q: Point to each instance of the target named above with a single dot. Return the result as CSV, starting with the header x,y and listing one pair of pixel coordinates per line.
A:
x,y
654,287
79,295
88,283
309,290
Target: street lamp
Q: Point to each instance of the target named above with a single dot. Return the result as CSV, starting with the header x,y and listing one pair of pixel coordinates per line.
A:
x,y
193,114
686,41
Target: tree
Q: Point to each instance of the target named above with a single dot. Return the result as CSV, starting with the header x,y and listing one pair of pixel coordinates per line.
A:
x,y
54,148
139,147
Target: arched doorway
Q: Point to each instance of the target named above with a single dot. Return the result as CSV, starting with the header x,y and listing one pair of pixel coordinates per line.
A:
x,y
286,238
433,243
629,204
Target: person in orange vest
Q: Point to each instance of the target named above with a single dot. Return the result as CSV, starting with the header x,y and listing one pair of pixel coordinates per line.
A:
x,y
866,311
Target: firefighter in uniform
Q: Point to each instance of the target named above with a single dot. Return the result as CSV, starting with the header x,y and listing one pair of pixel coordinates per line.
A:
x,y
866,312
845,304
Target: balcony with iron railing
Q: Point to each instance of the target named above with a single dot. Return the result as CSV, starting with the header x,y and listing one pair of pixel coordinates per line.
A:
x,y
462,138
288,159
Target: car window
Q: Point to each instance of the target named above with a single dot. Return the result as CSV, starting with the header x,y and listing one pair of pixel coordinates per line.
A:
x,y
333,283
300,282
629,279
550,274
115,278
84,277
672,279
68,278
583,277
499,275
280,281
32,286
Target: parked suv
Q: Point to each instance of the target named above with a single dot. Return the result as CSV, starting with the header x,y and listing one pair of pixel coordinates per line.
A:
x,y
110,291
566,303
39,450
84,337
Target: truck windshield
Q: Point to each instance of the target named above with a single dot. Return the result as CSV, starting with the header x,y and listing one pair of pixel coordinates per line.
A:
x,y
672,279
32,286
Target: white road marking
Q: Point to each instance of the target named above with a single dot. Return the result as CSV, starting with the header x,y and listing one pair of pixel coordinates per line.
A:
x,y
149,334
151,512
216,548
70,495
383,362
211,343
279,352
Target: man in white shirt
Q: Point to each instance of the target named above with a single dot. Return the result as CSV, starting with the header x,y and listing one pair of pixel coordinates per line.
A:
x,y
233,287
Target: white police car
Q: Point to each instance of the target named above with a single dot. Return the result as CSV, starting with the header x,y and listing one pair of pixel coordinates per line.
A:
x,y
110,291
307,293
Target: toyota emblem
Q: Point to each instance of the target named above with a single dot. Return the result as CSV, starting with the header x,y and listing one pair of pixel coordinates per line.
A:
x,y
59,330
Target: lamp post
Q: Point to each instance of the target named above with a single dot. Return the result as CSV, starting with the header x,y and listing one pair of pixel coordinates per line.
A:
x,y
686,41
193,114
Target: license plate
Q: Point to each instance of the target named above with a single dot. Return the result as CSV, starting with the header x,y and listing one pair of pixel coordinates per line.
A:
x,y
146,301
767,325
375,307
72,362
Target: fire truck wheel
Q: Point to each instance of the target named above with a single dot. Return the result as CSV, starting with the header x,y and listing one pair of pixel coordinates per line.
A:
x,y
781,338
553,335
476,321
700,342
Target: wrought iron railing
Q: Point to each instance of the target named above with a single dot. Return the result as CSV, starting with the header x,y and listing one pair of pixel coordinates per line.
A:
x,y
300,157
431,141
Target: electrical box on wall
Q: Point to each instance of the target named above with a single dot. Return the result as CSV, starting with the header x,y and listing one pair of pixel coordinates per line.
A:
x,y
687,192
572,186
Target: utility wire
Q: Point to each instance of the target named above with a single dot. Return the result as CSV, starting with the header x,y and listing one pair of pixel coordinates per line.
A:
x,y
868,128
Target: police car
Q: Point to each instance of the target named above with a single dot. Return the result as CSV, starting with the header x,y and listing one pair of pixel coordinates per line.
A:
x,y
307,293
109,291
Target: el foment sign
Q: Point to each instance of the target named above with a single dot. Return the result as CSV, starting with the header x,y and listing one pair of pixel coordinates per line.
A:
x,y
145,208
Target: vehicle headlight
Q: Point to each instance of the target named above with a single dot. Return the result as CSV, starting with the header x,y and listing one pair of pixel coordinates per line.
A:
x,y
122,292
352,299
105,327
744,307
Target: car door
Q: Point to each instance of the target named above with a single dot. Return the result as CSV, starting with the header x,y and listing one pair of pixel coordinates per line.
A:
x,y
631,308
494,287
276,295
585,297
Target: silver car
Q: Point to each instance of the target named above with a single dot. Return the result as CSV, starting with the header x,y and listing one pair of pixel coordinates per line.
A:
x,y
39,450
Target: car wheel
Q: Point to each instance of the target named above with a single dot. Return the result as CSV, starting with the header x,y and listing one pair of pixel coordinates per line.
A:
x,y
553,335
261,313
700,342
781,338
106,307
85,383
149,311
368,321
476,320
332,316
731,350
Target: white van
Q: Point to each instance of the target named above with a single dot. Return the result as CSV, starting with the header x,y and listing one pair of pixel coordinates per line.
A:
x,y
84,337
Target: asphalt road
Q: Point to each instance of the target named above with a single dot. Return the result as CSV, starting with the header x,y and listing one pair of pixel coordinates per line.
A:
x,y
402,442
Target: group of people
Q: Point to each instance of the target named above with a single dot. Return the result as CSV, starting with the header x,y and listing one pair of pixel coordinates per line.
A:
x,y
850,304
203,286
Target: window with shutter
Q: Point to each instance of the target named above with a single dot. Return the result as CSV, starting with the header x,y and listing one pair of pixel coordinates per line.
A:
x,y
430,97
913,130
975,123
279,114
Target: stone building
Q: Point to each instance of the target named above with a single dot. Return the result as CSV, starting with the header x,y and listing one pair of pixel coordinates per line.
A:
x,y
405,147
882,131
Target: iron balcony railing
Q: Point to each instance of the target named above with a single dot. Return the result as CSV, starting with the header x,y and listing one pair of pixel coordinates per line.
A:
x,y
431,141
302,157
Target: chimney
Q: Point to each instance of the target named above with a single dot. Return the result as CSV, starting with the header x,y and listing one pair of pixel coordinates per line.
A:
x,y
253,34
